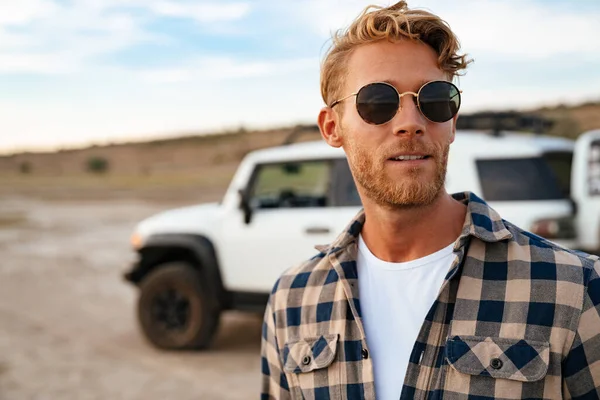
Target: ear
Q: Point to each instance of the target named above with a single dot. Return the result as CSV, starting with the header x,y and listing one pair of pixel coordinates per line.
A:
x,y
329,125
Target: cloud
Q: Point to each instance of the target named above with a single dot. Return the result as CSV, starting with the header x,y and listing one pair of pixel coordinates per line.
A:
x,y
226,68
324,17
62,38
44,64
522,28
122,108
201,12
25,11
208,80
47,37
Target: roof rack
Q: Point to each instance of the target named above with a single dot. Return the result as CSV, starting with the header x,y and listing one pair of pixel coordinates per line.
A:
x,y
297,131
496,122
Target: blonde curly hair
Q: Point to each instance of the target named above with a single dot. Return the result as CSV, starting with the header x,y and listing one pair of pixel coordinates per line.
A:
x,y
393,23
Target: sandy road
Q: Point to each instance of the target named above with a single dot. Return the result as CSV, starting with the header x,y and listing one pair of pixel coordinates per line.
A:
x,y
67,319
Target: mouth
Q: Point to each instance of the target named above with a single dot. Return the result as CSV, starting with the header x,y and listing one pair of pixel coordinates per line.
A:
x,y
409,157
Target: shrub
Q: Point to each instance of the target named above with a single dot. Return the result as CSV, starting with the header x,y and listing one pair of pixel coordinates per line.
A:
x,y
97,165
25,167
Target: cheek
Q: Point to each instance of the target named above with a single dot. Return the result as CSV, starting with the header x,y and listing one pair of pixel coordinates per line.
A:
x,y
361,141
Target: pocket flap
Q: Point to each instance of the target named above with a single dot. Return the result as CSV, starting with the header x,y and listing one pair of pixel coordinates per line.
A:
x,y
309,354
516,359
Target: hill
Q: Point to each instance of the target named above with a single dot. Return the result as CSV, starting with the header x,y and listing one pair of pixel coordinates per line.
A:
x,y
189,167
186,167
572,121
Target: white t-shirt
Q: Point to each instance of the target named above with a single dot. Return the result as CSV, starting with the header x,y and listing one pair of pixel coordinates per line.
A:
x,y
394,300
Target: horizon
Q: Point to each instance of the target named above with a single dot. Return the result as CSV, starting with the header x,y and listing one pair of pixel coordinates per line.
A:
x,y
169,136
92,72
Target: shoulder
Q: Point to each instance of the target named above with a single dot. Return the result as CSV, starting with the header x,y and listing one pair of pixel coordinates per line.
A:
x,y
541,245
315,272
576,266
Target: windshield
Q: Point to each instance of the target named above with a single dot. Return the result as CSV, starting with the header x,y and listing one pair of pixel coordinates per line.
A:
x,y
521,179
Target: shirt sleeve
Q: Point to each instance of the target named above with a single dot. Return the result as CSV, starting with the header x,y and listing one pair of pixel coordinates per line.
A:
x,y
581,367
274,381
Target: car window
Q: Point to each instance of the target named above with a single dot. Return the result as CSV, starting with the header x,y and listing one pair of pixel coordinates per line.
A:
x,y
594,169
344,190
518,179
291,185
561,163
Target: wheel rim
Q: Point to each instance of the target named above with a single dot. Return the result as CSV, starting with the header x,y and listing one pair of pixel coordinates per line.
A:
x,y
170,310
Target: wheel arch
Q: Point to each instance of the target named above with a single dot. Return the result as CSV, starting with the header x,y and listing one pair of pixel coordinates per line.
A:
x,y
197,250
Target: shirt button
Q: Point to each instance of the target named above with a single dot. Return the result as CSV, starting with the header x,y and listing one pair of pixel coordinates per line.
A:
x,y
306,360
365,354
496,363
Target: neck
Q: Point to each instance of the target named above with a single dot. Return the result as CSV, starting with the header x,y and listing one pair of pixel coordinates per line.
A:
x,y
405,234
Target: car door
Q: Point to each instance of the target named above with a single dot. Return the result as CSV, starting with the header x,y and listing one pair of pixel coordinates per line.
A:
x,y
294,206
586,190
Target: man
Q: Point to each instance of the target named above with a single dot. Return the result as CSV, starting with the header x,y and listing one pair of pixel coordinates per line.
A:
x,y
425,294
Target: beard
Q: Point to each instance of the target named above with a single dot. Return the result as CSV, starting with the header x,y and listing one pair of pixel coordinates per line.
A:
x,y
410,190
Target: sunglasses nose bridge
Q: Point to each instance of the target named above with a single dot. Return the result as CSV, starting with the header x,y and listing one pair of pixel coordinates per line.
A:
x,y
413,119
401,95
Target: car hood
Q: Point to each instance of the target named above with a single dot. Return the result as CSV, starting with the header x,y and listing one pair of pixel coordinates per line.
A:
x,y
193,219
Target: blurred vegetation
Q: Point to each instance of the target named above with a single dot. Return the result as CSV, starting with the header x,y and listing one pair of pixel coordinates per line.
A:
x,y
97,165
25,167
571,121
565,126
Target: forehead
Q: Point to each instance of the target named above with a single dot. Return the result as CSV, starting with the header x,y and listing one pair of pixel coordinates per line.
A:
x,y
406,64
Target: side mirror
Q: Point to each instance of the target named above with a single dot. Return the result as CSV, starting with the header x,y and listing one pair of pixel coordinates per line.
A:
x,y
245,206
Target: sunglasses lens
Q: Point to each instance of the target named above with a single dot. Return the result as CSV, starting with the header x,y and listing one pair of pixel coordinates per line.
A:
x,y
439,101
377,103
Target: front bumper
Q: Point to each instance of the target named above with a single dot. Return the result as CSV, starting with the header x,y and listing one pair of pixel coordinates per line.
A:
x,y
132,272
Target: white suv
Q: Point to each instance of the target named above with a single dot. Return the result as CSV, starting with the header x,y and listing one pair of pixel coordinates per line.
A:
x,y
196,262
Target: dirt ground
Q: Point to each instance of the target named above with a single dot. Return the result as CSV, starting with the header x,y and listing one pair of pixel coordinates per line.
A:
x,y
67,318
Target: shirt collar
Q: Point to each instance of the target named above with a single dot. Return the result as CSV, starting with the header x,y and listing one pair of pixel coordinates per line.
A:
x,y
481,221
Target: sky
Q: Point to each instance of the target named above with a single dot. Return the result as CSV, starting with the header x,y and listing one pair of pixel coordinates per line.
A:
x,y
81,72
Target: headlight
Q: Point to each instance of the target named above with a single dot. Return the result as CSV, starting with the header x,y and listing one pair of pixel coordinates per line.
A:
x,y
136,240
555,228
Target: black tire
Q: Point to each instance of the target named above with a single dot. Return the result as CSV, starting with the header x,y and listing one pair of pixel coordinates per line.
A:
x,y
174,310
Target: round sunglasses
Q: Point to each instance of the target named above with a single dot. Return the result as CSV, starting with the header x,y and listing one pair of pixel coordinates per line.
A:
x,y
377,103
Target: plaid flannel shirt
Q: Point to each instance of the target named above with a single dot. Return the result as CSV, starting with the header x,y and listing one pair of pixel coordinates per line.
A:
x,y
516,317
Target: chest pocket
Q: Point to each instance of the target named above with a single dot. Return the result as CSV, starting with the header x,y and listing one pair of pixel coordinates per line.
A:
x,y
310,364
504,366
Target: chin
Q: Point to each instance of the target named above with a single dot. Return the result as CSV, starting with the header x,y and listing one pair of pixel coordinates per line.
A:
x,y
417,194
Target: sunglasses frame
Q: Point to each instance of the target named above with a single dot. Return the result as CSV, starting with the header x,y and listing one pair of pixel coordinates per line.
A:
x,y
400,95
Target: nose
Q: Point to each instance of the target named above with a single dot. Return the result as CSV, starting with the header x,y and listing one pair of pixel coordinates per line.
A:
x,y
409,121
